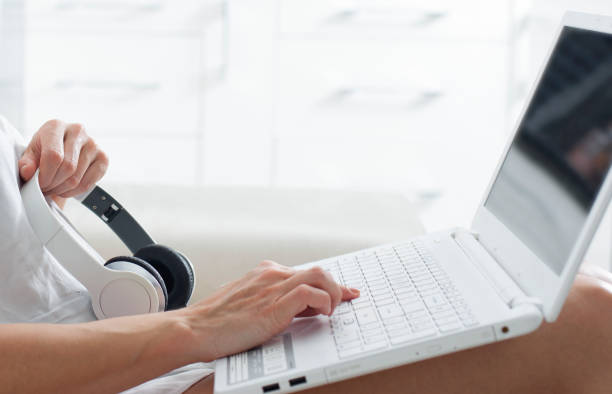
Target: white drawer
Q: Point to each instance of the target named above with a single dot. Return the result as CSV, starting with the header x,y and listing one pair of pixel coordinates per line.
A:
x,y
403,88
123,15
147,160
134,84
479,19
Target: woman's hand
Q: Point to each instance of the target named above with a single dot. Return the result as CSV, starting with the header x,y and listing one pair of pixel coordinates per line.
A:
x,y
251,310
69,160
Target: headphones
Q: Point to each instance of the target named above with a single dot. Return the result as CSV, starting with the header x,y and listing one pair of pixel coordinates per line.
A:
x,y
155,279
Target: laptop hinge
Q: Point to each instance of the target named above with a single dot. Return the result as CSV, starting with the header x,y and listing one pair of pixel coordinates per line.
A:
x,y
506,288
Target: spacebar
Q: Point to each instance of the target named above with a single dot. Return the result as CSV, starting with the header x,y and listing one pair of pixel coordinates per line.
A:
x,y
413,336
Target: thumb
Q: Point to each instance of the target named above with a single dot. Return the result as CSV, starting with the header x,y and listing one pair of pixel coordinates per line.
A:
x,y
28,164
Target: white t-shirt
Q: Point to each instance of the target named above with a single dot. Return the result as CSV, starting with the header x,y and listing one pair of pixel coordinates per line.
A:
x,y
35,287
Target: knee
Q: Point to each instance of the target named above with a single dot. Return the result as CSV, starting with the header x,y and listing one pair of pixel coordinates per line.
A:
x,y
590,300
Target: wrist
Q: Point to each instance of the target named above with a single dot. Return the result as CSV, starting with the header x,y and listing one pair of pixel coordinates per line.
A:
x,y
173,340
195,334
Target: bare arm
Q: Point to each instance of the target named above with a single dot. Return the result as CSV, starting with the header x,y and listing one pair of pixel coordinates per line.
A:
x,y
115,354
102,356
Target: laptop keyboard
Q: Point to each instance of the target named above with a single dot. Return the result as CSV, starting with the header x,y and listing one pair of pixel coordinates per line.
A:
x,y
405,296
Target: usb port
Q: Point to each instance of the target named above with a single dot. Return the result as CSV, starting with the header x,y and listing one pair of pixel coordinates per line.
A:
x,y
296,381
270,387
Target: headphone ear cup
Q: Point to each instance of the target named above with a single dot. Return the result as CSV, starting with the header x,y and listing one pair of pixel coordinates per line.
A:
x,y
144,265
174,268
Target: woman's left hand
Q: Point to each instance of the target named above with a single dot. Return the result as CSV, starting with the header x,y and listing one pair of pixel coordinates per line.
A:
x,y
70,162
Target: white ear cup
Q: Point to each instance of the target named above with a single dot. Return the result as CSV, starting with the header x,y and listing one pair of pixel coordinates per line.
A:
x,y
125,296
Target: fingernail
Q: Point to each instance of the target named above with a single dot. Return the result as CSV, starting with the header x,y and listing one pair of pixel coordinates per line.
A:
x,y
355,291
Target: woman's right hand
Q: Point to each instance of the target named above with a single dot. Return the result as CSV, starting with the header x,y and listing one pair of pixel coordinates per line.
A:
x,y
263,303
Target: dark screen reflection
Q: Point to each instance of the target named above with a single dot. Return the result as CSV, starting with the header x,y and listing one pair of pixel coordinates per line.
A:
x,y
562,151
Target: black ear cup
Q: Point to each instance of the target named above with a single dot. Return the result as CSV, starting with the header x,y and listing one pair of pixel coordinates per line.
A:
x,y
144,265
175,270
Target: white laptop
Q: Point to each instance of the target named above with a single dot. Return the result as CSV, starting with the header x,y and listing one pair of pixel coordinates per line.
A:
x,y
462,288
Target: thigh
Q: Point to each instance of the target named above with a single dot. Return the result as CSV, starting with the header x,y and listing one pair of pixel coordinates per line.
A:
x,y
571,355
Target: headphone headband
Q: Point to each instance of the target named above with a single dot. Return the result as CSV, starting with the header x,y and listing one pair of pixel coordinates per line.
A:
x,y
104,206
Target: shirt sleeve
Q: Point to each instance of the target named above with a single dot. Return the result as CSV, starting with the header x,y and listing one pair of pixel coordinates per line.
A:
x,y
176,381
13,136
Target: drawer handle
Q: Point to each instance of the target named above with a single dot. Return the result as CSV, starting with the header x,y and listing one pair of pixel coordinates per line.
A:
x,y
139,7
384,96
386,16
127,86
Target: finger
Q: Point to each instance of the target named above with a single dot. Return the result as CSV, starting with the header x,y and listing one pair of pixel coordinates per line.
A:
x,y
298,300
28,162
87,156
74,139
94,173
52,151
349,293
308,312
317,277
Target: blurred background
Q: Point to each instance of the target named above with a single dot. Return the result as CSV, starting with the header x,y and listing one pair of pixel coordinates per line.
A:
x,y
402,105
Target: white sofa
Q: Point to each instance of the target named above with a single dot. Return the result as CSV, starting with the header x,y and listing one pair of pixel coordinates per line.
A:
x,y
225,231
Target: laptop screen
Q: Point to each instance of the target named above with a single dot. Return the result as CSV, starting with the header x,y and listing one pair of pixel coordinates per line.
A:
x,y
562,151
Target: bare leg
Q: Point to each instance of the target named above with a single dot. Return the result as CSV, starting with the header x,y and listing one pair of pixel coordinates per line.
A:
x,y
573,355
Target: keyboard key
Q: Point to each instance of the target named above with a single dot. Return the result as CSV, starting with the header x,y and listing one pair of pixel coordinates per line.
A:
x,y
450,327
374,346
360,300
393,320
346,336
398,333
362,305
377,283
412,337
421,320
416,315
342,308
373,332
384,301
444,315
348,345
406,289
381,337
381,292
365,316
423,326
391,310
413,306
434,300
397,326
442,321
370,326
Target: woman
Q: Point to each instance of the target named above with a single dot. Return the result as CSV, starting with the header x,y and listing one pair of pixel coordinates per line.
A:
x,y
165,352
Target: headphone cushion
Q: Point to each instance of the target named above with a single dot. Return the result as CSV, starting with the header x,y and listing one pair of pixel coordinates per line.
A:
x,y
144,265
174,268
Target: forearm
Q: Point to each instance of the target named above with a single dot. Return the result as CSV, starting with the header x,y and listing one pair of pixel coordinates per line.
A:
x,y
102,356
